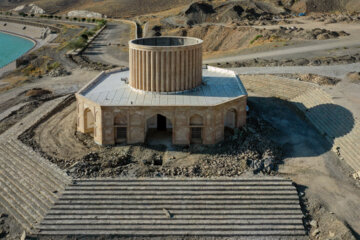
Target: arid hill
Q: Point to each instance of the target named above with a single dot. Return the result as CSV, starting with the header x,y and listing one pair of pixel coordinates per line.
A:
x,y
129,8
112,8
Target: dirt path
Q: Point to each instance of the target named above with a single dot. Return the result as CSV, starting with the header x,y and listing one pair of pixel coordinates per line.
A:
x,y
309,162
338,71
308,46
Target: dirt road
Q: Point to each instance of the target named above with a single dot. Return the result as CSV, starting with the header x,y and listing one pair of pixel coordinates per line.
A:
x,y
111,46
338,71
305,47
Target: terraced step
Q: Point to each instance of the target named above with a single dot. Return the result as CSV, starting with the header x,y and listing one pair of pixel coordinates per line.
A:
x,y
252,207
29,185
332,123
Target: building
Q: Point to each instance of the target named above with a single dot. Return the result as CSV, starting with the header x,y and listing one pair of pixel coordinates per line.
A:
x,y
165,92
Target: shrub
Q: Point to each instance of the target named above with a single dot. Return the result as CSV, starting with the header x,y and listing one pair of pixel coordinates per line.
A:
x,y
84,36
77,43
256,38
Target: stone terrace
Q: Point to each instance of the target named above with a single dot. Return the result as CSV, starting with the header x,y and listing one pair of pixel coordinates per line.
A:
x,y
243,207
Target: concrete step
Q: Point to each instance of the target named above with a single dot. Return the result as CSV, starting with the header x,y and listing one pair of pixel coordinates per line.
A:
x,y
141,207
36,161
174,227
166,181
330,123
45,165
28,189
87,189
174,221
31,174
188,212
24,193
172,207
91,194
17,205
179,197
286,233
28,183
9,206
79,218
207,202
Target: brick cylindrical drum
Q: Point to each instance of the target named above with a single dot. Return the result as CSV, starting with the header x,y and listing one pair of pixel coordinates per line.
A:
x,y
165,64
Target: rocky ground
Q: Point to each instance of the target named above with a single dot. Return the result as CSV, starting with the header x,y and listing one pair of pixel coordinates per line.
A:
x,y
9,228
248,149
316,61
321,223
313,78
354,77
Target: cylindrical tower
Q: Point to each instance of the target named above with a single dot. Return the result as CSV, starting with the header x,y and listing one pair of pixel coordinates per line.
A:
x,y
165,64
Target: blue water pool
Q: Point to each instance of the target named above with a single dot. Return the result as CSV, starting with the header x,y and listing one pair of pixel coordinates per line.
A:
x,y
12,47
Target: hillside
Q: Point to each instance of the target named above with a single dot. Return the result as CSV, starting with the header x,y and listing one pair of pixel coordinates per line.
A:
x,y
112,8
130,8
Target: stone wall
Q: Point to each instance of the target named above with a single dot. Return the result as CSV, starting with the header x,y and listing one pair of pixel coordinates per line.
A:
x,y
135,118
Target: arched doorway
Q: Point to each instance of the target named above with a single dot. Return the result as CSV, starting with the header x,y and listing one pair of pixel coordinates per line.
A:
x,y
196,126
230,122
159,130
120,128
89,121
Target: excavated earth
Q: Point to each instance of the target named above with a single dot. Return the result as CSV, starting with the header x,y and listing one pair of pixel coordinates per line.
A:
x,y
247,149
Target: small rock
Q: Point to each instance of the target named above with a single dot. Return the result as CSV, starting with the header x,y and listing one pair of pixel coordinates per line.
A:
x,y
3,233
315,232
331,234
23,236
167,213
314,223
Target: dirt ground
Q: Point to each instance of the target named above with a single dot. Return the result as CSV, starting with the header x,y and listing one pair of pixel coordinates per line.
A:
x,y
315,61
313,78
247,149
327,192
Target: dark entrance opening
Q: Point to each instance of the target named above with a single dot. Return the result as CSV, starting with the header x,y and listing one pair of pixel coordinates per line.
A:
x,y
161,123
121,134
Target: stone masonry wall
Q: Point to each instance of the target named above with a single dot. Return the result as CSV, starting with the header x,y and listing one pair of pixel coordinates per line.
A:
x,y
137,116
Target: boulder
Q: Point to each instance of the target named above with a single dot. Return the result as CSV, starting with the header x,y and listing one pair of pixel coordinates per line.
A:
x,y
29,9
85,14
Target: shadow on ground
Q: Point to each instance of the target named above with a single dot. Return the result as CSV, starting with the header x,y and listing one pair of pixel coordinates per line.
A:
x,y
291,127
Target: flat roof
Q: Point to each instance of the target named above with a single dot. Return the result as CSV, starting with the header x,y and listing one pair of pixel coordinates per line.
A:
x,y
218,86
